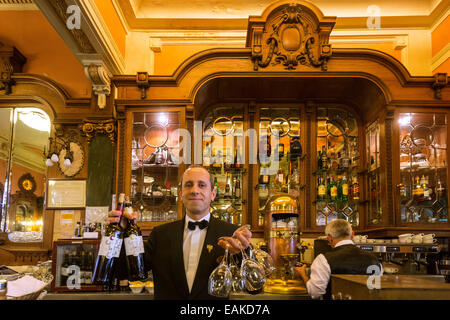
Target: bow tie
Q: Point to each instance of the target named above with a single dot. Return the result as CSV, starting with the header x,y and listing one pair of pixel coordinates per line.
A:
x,y
201,224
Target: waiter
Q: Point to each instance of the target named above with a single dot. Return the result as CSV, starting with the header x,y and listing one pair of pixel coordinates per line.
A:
x,y
344,258
182,254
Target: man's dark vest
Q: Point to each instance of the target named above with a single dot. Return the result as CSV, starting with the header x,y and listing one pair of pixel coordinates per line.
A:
x,y
348,259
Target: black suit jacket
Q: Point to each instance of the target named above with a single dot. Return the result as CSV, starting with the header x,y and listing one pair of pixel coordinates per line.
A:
x,y
164,256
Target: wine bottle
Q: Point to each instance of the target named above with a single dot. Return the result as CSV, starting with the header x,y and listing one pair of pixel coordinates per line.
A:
x,y
321,190
109,251
64,271
355,189
237,189
324,158
344,189
238,158
134,248
333,190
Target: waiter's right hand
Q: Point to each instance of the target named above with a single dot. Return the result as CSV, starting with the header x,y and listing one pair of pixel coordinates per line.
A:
x,y
114,217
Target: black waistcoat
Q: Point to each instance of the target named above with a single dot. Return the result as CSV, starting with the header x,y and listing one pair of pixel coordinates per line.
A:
x,y
348,259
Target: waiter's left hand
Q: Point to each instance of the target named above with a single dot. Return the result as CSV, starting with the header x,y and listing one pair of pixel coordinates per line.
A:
x,y
239,241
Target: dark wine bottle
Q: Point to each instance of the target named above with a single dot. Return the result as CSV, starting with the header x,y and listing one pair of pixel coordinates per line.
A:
x,y
109,251
134,249
64,271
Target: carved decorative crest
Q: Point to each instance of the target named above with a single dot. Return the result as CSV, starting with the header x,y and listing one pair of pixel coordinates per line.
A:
x,y
11,61
290,34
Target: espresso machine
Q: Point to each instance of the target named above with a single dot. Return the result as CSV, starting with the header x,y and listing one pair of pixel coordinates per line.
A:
x,y
282,236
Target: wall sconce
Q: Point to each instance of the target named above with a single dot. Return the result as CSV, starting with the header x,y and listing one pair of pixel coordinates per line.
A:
x,y
53,152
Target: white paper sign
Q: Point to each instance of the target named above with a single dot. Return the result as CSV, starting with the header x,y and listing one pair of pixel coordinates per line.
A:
x,y
96,214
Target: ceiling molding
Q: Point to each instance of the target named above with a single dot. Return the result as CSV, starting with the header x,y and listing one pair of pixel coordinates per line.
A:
x,y
440,57
425,21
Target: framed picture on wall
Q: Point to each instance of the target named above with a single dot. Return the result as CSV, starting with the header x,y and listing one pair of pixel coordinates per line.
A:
x,y
66,194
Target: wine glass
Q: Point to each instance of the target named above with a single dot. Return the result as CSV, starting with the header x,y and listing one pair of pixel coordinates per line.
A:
x,y
253,273
237,283
264,258
219,282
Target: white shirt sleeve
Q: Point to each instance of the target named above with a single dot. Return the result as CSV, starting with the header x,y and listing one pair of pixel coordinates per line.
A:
x,y
320,276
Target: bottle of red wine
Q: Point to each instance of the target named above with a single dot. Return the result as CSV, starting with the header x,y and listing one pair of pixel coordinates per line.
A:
x,y
134,248
109,251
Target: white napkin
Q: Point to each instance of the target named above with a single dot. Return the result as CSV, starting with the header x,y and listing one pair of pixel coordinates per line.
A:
x,y
24,285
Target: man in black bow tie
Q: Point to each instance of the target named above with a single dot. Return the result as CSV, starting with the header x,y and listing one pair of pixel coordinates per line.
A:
x,y
182,254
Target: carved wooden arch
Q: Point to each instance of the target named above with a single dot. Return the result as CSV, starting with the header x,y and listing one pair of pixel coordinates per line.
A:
x,y
290,33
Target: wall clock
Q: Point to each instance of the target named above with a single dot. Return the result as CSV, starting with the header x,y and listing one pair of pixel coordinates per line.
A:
x,y
27,183
77,161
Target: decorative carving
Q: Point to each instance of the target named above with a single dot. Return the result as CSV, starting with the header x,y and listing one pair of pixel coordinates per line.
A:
x,y
440,81
389,121
292,34
91,127
142,83
11,61
81,39
100,79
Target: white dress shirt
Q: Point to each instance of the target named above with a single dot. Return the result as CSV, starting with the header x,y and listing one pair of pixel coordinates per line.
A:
x,y
192,247
320,274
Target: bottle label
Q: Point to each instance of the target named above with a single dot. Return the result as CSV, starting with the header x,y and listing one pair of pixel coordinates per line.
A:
x,y
333,191
64,272
110,247
345,189
237,193
134,245
322,190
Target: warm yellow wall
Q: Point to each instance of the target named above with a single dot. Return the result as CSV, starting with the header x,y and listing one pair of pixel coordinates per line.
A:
x,y
46,53
113,22
384,47
444,67
170,57
440,37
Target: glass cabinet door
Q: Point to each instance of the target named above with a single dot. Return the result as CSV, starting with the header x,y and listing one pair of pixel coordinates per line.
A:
x,y
423,168
374,173
155,165
337,185
278,173
224,156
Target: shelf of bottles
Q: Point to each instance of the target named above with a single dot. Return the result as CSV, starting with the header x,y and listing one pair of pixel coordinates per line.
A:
x,y
280,154
154,165
423,168
337,189
373,176
68,257
223,155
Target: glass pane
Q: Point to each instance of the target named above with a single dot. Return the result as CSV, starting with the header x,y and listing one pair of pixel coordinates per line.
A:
x,y
155,155
224,156
28,169
5,144
337,189
423,168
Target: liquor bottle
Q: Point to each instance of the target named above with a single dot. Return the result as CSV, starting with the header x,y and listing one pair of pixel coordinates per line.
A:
x,y
264,178
238,158
279,179
295,148
228,187
207,155
109,251
426,191
344,161
216,185
237,189
261,219
280,150
418,190
319,160
64,269
344,189
134,248
83,268
333,192
355,188
324,159
89,267
321,190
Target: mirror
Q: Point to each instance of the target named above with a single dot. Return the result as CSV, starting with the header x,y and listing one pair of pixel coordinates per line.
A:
x,y
23,144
